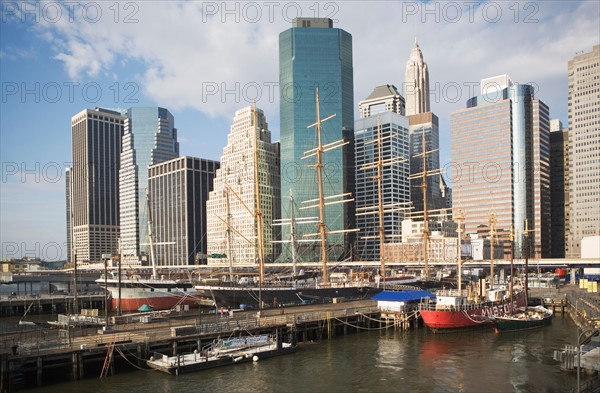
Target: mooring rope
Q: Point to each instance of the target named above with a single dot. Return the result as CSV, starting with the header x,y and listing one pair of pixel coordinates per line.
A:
x,y
128,361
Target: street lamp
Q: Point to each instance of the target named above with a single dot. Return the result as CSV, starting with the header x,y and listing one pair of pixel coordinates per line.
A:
x,y
579,356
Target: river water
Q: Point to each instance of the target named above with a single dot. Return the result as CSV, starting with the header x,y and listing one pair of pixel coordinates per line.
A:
x,y
378,361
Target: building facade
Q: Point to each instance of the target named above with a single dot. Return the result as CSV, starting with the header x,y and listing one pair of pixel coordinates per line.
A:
x,y
393,154
315,54
149,137
231,206
416,83
500,163
584,148
178,191
94,181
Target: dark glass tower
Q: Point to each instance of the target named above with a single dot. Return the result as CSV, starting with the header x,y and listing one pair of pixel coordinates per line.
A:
x,y
314,54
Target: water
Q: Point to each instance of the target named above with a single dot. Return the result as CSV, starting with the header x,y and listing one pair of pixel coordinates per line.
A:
x,y
378,361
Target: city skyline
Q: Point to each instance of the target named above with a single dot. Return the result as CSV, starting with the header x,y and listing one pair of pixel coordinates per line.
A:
x,y
35,153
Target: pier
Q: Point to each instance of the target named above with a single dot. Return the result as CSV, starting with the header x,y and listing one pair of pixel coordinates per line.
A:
x,y
40,356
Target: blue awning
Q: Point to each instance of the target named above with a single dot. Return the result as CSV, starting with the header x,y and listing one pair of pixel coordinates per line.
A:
x,y
403,296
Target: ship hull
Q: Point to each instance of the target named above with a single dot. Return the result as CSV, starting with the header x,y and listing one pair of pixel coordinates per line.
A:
x,y
277,296
471,317
519,322
158,294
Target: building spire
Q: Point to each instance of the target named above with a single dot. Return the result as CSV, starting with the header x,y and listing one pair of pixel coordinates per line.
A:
x,y
416,83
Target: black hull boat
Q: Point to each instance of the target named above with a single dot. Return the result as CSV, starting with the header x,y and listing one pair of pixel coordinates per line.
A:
x,y
237,296
524,319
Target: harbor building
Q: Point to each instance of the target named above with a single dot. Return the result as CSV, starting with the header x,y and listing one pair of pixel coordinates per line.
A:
x,y
178,191
559,188
500,162
232,229
94,183
416,83
584,144
313,54
391,127
149,137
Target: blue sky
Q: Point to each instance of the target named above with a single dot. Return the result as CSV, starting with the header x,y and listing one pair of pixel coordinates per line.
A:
x,y
204,60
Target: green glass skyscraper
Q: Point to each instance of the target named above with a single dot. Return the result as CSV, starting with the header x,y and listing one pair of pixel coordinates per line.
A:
x,y
314,54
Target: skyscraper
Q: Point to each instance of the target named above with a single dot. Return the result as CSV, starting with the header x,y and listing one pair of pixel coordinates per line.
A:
x,y
150,137
96,138
315,54
584,143
500,162
416,83
559,183
395,184
178,191
232,228
384,98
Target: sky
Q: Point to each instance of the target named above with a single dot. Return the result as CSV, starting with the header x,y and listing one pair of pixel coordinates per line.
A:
x,y
203,60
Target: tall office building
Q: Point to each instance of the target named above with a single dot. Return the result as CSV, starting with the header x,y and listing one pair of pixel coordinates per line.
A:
x,y
150,137
96,144
500,157
178,191
416,83
315,54
559,183
427,124
395,184
584,143
69,193
232,228
384,98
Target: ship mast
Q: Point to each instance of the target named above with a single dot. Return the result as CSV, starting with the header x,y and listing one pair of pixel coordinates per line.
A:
x,y
150,239
228,234
293,221
425,216
423,175
381,208
512,277
318,152
319,167
293,241
459,217
527,230
257,210
492,239
380,202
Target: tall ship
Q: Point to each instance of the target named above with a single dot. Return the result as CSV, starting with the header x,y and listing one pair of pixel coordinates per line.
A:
x,y
458,309
321,287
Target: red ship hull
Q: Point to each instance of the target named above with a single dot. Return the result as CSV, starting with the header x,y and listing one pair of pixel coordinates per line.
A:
x,y
469,317
157,303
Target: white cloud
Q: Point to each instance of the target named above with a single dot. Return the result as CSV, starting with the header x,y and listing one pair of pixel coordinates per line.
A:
x,y
195,54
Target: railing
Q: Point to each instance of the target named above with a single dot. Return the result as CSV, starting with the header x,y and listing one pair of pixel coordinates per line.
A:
x,y
45,340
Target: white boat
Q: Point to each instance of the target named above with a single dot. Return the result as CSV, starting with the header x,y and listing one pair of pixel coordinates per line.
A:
x,y
222,353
